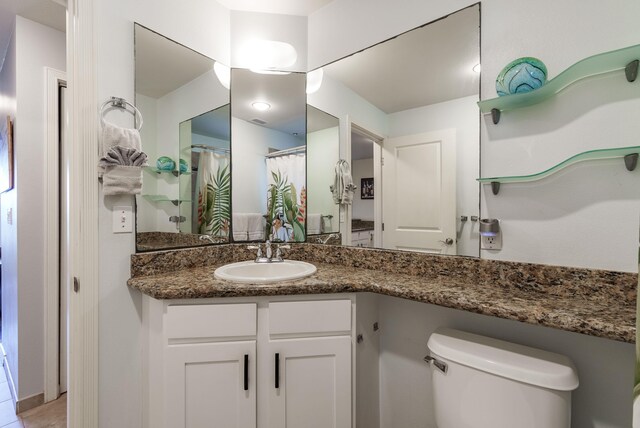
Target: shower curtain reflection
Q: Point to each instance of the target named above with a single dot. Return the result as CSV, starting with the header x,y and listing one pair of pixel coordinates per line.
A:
x,y
286,196
212,212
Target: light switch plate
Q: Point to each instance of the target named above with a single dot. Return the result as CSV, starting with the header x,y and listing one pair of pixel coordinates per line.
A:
x,y
122,219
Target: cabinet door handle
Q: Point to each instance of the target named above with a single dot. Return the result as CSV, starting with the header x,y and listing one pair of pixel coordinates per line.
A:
x,y
277,370
246,372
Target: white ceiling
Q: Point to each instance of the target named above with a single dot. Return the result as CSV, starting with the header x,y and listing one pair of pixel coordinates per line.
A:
x,y
425,66
285,7
52,13
285,93
163,65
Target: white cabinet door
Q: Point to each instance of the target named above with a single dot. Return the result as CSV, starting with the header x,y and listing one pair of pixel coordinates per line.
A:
x,y
310,383
210,385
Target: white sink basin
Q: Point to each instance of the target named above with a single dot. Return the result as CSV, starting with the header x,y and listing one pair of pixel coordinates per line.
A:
x,y
264,273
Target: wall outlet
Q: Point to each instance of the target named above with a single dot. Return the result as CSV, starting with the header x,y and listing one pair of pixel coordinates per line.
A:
x,y
491,242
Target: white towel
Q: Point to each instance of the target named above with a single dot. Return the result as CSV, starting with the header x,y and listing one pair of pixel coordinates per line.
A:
x,y
122,160
240,226
255,227
314,224
343,187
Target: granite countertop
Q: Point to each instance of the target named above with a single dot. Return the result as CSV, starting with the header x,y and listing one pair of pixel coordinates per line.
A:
x,y
593,313
361,225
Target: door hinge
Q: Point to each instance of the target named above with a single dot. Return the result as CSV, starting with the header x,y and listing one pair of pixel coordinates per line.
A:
x,y
76,284
383,227
382,161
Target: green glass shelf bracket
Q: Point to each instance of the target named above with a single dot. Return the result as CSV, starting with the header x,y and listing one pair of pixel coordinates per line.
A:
x,y
627,59
629,154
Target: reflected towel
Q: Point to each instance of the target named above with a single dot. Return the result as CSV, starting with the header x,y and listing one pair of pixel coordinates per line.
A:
x,y
239,226
255,226
314,224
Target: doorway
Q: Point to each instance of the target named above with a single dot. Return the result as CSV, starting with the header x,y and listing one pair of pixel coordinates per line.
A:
x,y
56,238
366,210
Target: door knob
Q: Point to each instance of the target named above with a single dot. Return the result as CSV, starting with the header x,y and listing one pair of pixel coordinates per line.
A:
x,y
447,241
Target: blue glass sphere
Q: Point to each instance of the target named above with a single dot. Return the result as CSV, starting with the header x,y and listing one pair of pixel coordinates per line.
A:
x,y
184,167
520,76
165,163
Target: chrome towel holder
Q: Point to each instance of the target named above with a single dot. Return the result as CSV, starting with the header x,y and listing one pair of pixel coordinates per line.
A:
x,y
121,103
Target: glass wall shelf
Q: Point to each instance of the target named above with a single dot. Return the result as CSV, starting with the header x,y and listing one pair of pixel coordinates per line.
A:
x,y
164,198
630,155
621,59
162,171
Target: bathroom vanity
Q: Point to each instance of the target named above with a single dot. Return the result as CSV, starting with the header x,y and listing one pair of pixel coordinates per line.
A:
x,y
230,362
269,353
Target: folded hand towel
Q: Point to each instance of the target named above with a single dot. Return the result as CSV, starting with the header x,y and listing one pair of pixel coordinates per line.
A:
x,y
122,180
255,226
314,224
239,226
121,148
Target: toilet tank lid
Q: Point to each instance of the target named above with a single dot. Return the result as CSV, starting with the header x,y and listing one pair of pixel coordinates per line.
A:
x,y
517,362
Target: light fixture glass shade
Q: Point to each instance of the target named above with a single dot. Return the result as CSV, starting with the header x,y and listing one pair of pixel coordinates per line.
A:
x,y
261,106
223,73
267,55
314,80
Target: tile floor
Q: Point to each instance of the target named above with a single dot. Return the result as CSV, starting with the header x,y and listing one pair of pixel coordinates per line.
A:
x,y
50,415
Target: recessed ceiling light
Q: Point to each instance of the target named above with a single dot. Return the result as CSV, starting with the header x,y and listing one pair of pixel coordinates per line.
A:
x,y
261,106
476,68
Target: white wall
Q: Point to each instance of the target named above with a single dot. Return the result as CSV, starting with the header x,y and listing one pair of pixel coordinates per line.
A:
x,y
362,208
250,145
323,148
36,47
605,367
9,235
462,115
203,26
552,221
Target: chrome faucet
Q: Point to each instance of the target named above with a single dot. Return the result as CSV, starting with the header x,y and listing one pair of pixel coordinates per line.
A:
x,y
206,238
268,256
326,239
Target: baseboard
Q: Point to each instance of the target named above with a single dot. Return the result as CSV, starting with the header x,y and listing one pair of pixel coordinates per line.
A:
x,y
26,403
29,403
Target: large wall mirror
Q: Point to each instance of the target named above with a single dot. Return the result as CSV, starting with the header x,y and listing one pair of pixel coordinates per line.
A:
x,y
269,156
323,150
185,197
414,146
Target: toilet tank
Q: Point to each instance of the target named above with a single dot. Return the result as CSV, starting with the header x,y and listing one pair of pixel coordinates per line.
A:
x,y
489,383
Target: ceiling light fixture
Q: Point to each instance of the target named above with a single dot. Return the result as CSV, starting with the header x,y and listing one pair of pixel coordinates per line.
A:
x,y
267,55
476,68
314,80
261,106
223,73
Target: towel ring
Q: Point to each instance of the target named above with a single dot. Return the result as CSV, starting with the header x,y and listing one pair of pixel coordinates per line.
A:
x,y
121,103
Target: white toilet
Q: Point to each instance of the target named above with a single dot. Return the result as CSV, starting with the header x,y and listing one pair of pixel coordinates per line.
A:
x,y
479,382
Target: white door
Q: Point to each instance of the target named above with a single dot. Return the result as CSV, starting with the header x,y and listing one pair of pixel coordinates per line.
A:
x,y
310,383
419,192
210,385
